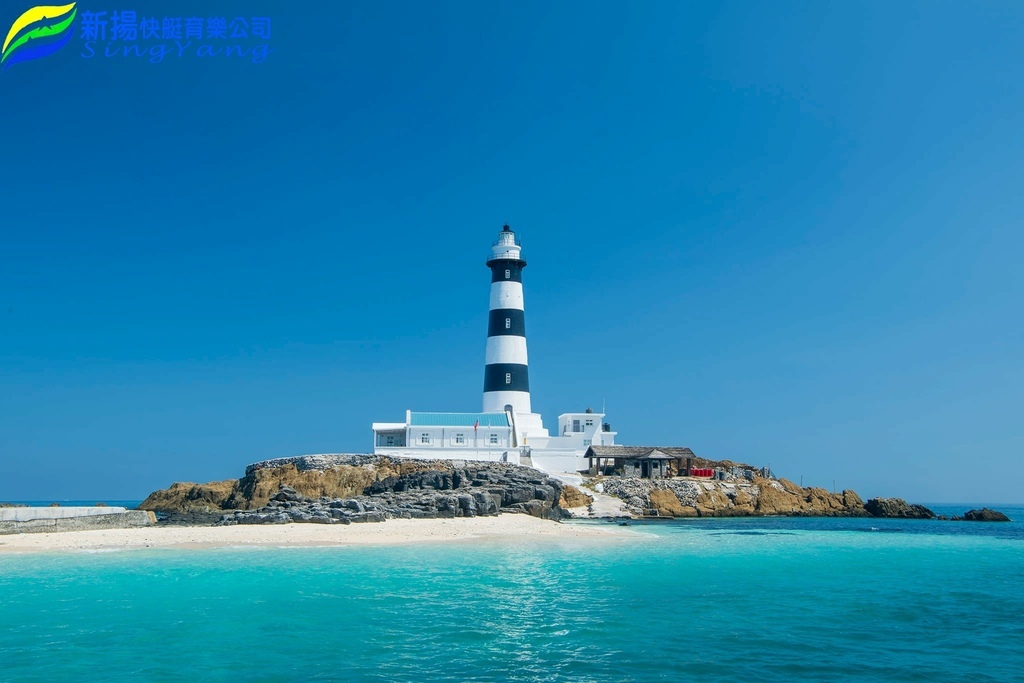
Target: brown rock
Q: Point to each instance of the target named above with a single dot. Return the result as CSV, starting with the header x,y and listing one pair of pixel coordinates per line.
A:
x,y
666,503
792,488
713,503
255,489
188,497
572,497
772,501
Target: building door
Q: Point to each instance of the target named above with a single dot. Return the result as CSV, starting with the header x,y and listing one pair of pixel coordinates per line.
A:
x,y
645,469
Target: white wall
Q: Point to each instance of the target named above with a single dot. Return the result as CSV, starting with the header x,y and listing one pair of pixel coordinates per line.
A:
x,y
450,454
558,460
444,437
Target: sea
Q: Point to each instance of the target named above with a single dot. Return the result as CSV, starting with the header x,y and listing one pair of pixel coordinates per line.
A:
x,y
769,599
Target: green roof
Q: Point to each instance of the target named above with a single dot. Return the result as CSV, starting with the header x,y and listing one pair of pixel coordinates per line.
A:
x,y
458,419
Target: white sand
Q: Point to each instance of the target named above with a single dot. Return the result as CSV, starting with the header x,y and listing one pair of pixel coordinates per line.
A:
x,y
507,528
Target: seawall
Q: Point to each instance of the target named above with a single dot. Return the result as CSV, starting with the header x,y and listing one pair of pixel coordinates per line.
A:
x,y
46,520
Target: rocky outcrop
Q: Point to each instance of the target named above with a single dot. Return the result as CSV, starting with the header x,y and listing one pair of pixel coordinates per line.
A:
x,y
984,515
739,497
336,476
572,497
364,488
897,508
191,498
666,504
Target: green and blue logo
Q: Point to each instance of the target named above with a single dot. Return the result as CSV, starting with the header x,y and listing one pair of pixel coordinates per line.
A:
x,y
39,32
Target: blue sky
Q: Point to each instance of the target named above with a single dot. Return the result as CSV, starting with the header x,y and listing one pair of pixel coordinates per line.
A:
x,y
783,233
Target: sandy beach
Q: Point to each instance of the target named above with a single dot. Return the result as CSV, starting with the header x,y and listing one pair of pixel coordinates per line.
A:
x,y
513,528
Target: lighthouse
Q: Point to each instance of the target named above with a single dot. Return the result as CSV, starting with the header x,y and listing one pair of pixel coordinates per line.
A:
x,y
506,376
506,429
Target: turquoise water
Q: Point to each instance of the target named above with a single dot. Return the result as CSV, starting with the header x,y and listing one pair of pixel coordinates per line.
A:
x,y
702,600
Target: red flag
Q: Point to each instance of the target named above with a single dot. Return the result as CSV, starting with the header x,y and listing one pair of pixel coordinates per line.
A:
x,y
476,424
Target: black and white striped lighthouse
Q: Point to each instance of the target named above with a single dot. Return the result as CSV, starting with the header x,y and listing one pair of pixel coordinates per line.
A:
x,y
506,379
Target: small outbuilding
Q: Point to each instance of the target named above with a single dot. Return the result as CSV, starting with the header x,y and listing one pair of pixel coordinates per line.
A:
x,y
648,462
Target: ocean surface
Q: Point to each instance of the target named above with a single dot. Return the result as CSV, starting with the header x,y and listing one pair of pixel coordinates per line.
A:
x,y
698,600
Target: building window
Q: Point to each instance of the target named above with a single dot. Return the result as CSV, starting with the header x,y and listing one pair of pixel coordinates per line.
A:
x,y
576,426
391,440
424,438
586,442
494,439
508,323
460,438
508,274
508,378
590,423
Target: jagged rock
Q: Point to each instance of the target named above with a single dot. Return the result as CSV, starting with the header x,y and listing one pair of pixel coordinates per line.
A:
x,y
777,497
737,497
985,515
712,503
190,498
188,518
368,517
467,505
898,508
287,494
667,504
572,497
534,508
348,488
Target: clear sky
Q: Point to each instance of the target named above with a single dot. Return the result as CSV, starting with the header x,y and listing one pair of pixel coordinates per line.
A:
x,y
781,233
